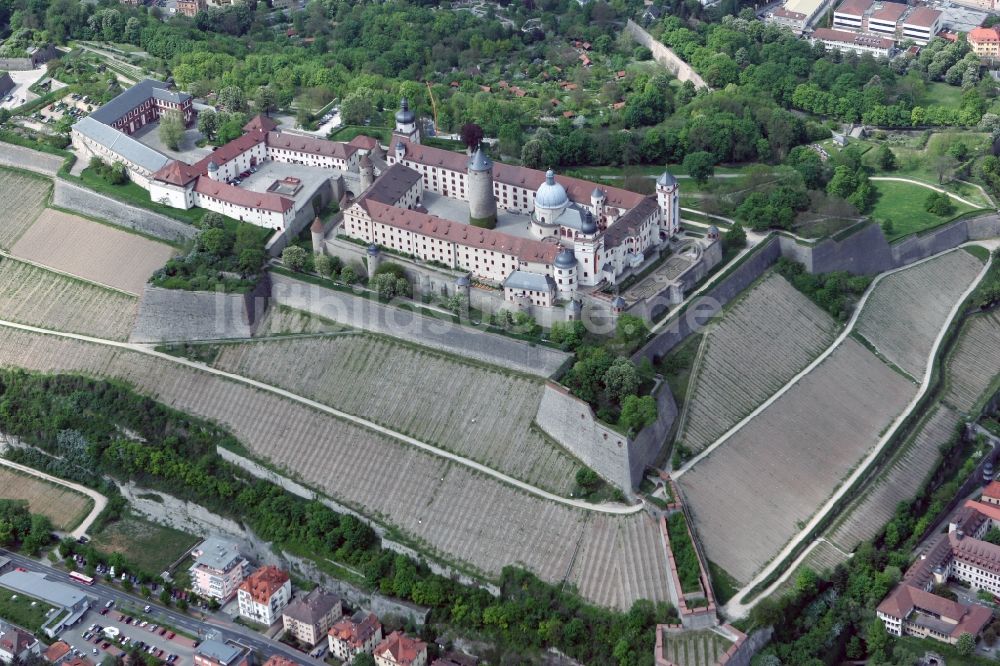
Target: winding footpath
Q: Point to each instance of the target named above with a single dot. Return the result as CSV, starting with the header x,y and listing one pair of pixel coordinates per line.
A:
x,y
735,609
100,501
614,509
896,179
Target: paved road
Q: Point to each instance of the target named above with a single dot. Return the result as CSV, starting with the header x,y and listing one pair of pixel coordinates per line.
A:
x,y
611,508
735,609
186,623
100,501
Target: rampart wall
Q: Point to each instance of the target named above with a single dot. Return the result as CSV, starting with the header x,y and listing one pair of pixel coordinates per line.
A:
x,y
663,55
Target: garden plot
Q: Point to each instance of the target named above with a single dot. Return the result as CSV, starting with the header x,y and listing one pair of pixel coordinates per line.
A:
x,y
908,309
22,198
92,251
32,295
759,345
283,320
450,510
620,559
757,490
65,507
974,363
704,647
905,476
476,411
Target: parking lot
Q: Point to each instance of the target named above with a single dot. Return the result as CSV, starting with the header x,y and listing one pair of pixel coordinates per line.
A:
x,y
104,631
20,94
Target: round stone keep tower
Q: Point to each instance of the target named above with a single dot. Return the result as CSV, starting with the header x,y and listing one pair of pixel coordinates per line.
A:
x,y
213,171
374,259
482,201
367,172
316,230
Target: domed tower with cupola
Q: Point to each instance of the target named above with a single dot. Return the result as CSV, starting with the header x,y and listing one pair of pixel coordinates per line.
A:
x,y
668,197
550,201
585,244
406,122
565,273
482,200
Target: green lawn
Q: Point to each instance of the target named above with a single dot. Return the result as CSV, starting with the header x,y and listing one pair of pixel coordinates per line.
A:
x,y
348,132
23,611
133,194
146,545
903,204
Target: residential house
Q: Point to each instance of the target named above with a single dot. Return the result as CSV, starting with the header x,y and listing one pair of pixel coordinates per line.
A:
x,y
398,649
218,569
310,617
354,635
264,594
16,644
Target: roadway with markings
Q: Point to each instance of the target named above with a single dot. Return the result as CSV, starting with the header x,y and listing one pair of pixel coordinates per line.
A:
x,y
223,627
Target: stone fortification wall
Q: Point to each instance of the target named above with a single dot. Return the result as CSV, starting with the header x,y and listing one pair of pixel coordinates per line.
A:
x,y
189,517
674,292
370,315
680,69
621,461
31,160
701,311
16,64
863,252
167,315
87,202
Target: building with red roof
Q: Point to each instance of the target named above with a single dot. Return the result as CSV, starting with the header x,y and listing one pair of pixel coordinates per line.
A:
x,y
985,43
351,636
56,652
264,594
913,611
16,644
398,649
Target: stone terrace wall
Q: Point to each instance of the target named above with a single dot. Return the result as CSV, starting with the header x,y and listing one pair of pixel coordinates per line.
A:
x,y
369,315
863,252
618,459
663,55
87,202
31,160
708,305
169,315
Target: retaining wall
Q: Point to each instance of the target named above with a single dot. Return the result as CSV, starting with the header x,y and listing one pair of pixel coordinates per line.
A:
x,y
31,160
195,519
170,315
663,55
708,305
619,460
370,315
92,204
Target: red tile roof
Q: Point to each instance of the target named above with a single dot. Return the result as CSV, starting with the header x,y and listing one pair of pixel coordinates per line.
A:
x,y
278,660
15,641
854,7
402,649
364,142
979,36
923,17
310,145
355,634
463,234
890,11
992,489
991,511
260,122
906,598
56,651
240,197
578,190
177,173
230,151
263,583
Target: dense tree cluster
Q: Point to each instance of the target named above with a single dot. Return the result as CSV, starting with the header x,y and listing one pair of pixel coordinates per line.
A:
x,y
21,529
225,254
833,292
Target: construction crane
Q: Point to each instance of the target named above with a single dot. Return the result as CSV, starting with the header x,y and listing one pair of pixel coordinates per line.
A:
x,y
434,106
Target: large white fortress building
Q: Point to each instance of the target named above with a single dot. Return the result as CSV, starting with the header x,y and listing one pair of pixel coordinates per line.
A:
x,y
540,235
